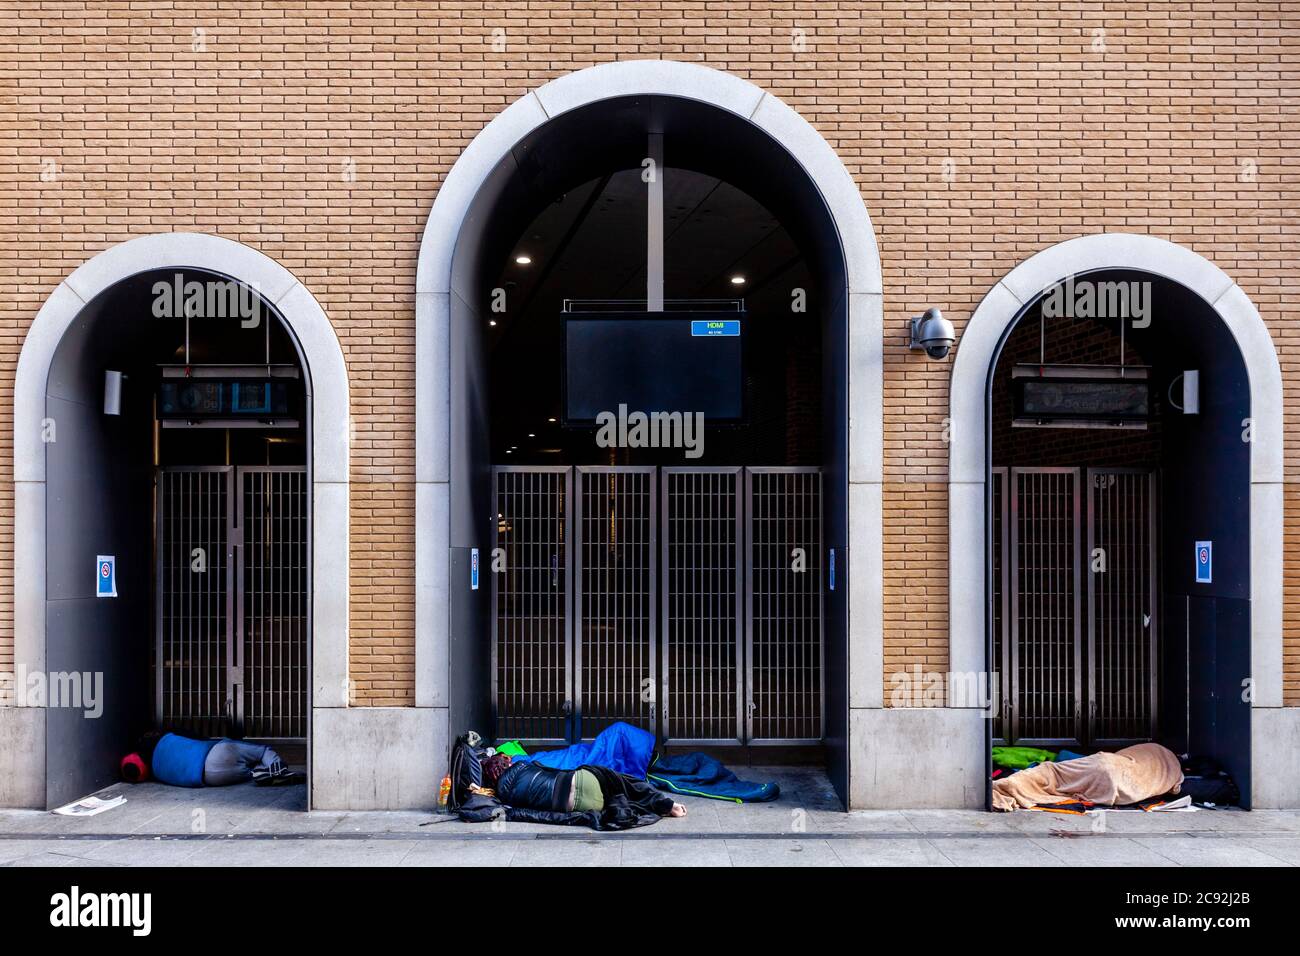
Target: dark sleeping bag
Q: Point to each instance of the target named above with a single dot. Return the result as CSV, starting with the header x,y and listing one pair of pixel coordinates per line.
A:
x,y
536,794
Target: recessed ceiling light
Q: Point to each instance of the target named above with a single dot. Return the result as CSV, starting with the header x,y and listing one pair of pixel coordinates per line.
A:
x,y
492,322
737,280
523,260
550,419
531,435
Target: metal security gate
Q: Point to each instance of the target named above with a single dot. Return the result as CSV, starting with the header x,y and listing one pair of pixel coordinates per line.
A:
x,y
703,604
1046,664
1122,605
684,600
1077,657
232,595
615,612
784,605
532,645
272,595
193,650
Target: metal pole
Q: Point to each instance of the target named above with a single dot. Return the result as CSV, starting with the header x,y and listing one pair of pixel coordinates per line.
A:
x,y
654,248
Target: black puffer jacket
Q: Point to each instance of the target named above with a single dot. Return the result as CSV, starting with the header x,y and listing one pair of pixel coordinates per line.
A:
x,y
533,787
534,794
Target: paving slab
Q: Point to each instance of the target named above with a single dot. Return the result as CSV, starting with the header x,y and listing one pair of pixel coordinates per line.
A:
x,y
781,853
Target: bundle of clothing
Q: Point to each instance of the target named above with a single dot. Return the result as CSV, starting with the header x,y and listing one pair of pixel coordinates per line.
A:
x,y
1128,776
591,796
615,782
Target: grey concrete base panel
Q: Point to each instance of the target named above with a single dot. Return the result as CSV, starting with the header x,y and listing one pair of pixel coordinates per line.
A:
x,y
922,758
377,758
22,757
1275,758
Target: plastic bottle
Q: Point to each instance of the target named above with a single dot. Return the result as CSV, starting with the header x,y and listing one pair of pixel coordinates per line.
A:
x,y
444,793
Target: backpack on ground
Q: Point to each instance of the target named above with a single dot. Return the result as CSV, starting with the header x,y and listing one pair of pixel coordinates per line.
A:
x,y
466,769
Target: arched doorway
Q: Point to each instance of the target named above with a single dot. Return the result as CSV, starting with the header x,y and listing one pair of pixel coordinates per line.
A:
x,y
569,136
259,453
1184,656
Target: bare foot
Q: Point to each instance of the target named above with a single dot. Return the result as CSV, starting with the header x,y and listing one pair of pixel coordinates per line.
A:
x,y
678,810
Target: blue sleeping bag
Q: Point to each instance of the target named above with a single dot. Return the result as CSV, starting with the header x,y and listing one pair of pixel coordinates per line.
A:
x,y
179,760
699,775
619,747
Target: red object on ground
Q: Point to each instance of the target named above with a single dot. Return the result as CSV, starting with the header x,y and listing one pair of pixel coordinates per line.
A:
x,y
134,769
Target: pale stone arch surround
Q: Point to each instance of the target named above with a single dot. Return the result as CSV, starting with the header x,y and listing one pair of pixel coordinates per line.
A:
x,y
435,289
1275,730
22,729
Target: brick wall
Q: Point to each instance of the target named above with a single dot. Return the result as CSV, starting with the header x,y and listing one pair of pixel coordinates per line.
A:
x,y
318,133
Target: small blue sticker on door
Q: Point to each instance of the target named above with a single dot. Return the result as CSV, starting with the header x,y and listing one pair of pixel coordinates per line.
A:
x,y
831,570
1204,562
473,569
105,576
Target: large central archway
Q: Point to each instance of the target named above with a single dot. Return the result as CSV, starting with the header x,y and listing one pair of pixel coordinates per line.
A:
x,y
448,290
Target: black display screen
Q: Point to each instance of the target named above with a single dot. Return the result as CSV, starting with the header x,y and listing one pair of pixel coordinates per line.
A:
x,y
1064,399
654,362
213,398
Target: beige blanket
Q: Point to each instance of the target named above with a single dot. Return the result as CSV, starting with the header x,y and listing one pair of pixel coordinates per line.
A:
x,y
1128,776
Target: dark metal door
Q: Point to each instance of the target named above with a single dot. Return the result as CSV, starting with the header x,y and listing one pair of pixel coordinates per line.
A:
x,y
233,585
1000,666
1046,605
703,606
1122,605
193,650
783,605
272,594
532,646
615,610
1080,656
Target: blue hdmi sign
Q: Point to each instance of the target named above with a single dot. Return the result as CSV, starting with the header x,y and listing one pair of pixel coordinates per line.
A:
x,y
710,327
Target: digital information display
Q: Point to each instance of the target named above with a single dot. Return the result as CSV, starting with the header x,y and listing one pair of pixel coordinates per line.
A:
x,y
653,362
1051,398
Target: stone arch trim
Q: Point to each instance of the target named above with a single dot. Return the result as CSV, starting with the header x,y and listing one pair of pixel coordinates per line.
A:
x,y
327,384
433,301
968,466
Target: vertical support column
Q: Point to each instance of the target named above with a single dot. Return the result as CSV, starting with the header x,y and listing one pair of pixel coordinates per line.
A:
x,y
654,246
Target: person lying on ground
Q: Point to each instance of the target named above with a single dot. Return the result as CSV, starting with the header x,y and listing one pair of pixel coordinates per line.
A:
x,y
184,762
593,796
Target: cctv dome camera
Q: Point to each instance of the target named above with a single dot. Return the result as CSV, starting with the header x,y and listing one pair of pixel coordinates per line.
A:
x,y
933,333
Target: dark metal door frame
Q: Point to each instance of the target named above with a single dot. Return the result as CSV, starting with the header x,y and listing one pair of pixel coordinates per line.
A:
x,y
802,611
999,539
288,691
1132,555
1126,600
175,583
644,511
178,689
701,690
535,608
1044,552
698,594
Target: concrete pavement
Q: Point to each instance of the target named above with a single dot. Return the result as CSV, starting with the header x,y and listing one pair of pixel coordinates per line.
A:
x,y
250,826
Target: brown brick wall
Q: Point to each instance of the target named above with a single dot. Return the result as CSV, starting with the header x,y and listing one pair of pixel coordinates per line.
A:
x,y
1053,130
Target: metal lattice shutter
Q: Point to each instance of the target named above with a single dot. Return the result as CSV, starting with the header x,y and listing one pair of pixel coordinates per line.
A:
x,y
615,617
784,605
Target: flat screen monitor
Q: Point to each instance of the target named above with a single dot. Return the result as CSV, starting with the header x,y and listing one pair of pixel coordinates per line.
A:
x,y
654,362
